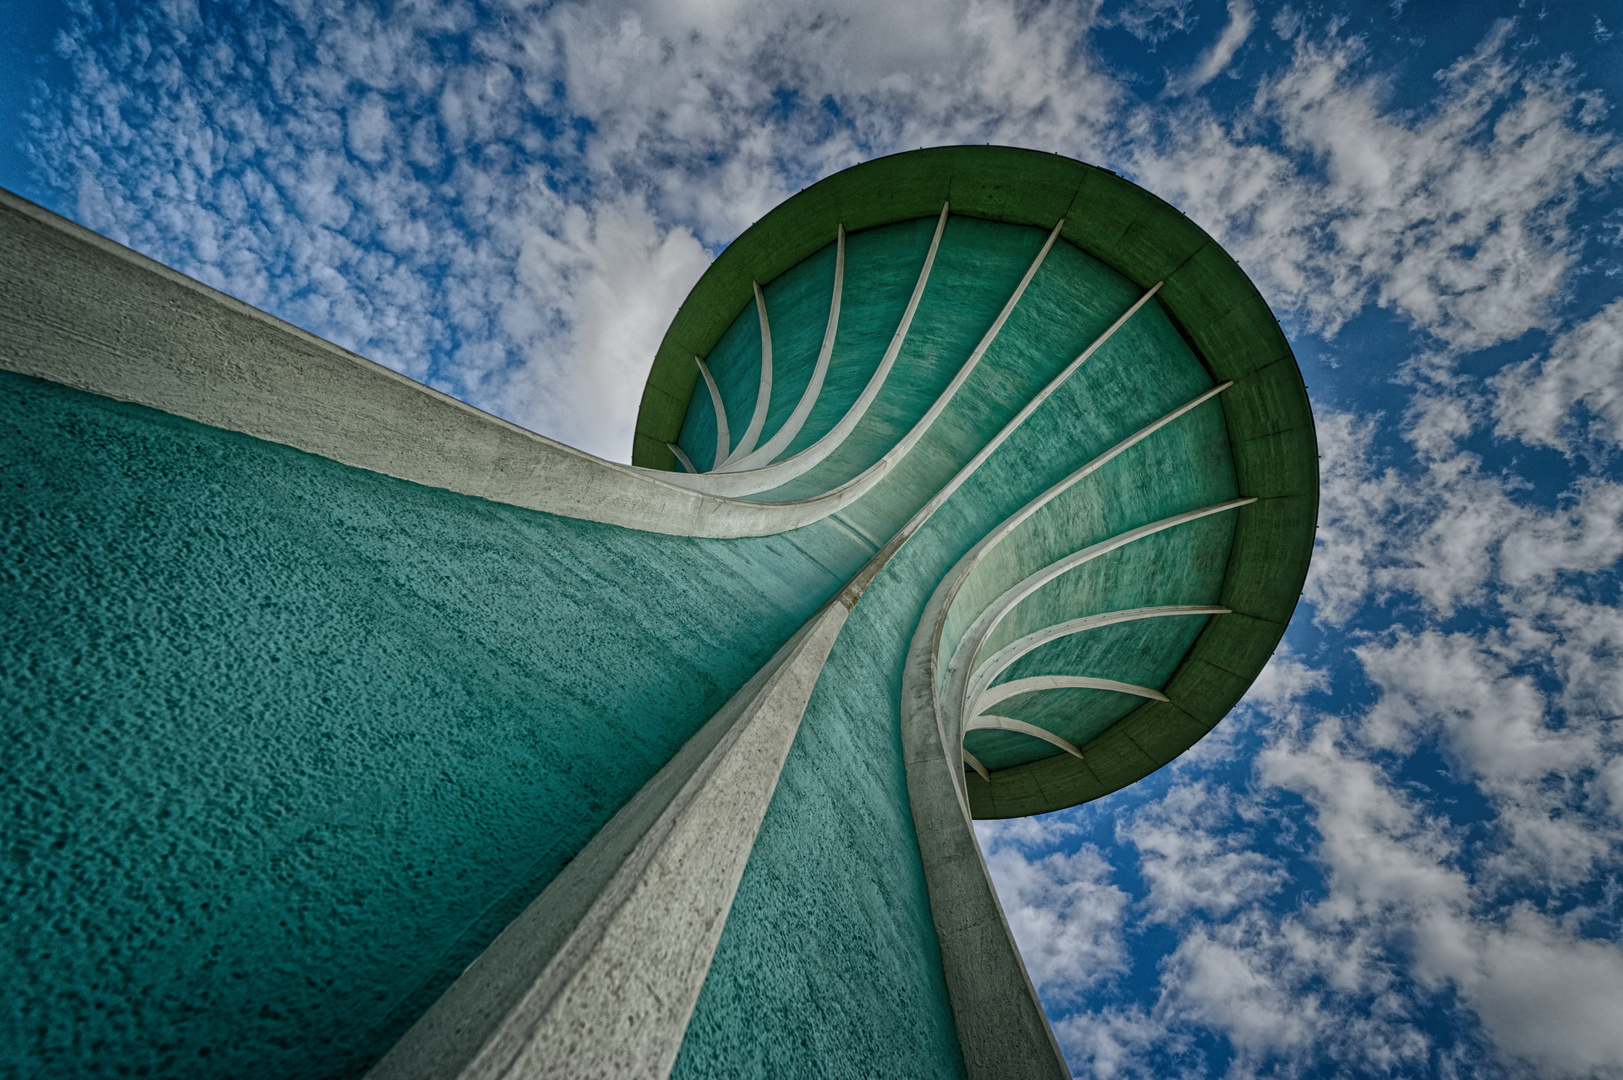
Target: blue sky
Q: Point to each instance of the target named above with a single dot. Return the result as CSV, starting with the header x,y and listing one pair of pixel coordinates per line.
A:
x,y
1401,856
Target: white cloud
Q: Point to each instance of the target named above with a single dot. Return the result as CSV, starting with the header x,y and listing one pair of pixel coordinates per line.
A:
x,y
1242,18
1395,890
1455,217
1493,722
1535,400
1284,680
1155,20
1548,998
1116,1042
616,279
1449,533
1065,913
1194,858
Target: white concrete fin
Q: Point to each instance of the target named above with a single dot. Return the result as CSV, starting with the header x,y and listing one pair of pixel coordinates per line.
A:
x,y
1000,661
975,637
681,456
776,475
229,365
763,395
994,1004
1020,727
860,484
766,453
1004,691
985,545
723,437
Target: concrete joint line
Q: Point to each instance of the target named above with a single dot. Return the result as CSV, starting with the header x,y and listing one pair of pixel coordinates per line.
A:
x,y
599,976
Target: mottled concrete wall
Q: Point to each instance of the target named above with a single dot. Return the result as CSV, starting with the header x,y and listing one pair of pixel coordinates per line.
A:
x,y
289,742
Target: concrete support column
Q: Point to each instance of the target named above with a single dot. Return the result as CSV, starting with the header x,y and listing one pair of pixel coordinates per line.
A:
x,y
1002,1028
599,976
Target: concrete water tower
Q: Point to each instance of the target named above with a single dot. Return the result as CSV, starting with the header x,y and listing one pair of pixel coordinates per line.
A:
x,y
352,730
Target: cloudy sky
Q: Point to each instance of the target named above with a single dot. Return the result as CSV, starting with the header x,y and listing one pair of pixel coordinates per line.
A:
x,y
1402,856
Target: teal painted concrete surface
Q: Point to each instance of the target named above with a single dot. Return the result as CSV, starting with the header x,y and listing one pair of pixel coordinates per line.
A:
x,y
829,965
287,743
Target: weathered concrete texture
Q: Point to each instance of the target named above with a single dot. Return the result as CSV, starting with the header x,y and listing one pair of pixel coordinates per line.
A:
x,y
599,975
288,743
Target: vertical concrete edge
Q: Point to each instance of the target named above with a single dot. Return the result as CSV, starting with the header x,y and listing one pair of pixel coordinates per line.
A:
x,y
1002,1029
599,975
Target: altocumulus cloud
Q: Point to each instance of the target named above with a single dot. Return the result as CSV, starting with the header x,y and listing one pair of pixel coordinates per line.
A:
x,y
1401,853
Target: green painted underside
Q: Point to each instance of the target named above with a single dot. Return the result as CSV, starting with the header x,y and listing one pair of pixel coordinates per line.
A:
x,y
1145,370
807,977
1207,324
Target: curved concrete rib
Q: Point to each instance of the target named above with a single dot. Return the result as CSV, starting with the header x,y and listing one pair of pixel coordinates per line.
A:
x,y
1003,692
1019,727
984,546
764,455
763,394
776,475
1000,661
1001,1025
223,363
723,437
686,462
969,646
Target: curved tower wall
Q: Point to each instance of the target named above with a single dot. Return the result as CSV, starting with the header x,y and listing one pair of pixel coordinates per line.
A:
x,y
298,739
